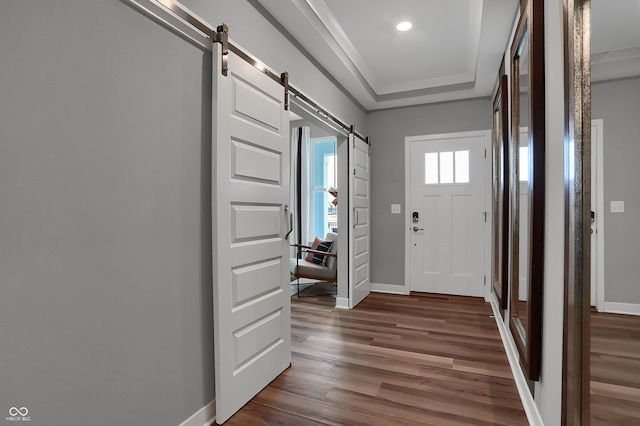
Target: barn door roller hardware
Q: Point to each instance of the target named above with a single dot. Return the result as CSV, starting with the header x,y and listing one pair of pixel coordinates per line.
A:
x,y
284,79
222,36
191,27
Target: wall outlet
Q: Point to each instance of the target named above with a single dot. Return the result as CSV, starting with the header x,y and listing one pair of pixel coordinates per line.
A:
x,y
617,207
395,209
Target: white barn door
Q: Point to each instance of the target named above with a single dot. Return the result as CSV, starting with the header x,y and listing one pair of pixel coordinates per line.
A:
x,y
359,201
250,185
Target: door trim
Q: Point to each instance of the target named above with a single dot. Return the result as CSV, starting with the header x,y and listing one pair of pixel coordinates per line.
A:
x,y
408,140
597,149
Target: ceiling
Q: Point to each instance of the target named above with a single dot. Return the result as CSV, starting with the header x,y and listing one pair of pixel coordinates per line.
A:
x,y
452,52
615,39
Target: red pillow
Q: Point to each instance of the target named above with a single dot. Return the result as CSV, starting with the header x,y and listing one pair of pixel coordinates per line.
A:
x,y
314,246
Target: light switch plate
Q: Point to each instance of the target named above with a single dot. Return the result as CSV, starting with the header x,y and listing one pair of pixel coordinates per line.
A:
x,y
395,209
617,207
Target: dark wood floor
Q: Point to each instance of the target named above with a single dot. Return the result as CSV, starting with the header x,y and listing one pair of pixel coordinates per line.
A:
x,y
394,360
615,369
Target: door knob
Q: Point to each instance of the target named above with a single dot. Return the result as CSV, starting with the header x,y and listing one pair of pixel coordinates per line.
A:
x,y
416,229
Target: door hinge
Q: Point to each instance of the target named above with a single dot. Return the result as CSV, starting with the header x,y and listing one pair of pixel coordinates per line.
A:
x,y
222,36
284,77
485,153
485,280
485,216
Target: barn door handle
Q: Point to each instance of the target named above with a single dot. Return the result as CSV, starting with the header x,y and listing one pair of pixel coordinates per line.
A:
x,y
286,209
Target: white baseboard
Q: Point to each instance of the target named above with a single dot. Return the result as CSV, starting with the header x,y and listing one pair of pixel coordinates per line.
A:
x,y
342,303
622,308
388,288
530,408
203,417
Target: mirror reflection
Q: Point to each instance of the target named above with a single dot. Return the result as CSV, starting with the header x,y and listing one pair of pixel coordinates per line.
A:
x,y
497,205
500,190
521,207
527,187
615,236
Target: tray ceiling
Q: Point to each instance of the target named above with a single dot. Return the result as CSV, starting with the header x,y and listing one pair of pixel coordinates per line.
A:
x,y
452,52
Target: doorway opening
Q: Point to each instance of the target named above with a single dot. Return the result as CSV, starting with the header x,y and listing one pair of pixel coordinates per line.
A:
x,y
318,176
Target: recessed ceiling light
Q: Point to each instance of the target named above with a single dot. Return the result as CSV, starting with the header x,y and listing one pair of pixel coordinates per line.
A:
x,y
404,26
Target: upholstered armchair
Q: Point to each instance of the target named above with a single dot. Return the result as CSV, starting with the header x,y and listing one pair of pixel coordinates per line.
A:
x,y
317,264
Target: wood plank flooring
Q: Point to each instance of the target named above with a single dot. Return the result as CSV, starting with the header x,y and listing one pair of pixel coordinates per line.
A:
x,y
615,369
394,360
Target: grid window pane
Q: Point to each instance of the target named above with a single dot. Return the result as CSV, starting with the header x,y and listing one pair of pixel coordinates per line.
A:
x,y
431,167
446,167
462,166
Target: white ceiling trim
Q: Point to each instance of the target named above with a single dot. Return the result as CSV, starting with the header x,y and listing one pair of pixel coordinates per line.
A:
x,y
325,23
474,26
475,31
323,35
616,55
327,26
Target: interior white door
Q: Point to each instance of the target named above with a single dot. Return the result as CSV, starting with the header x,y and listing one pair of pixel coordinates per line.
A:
x,y
250,185
447,214
359,202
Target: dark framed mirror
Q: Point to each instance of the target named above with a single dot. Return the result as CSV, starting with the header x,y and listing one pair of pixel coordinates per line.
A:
x,y
576,375
500,148
526,186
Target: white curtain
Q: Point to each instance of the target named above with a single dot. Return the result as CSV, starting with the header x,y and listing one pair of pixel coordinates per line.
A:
x,y
300,141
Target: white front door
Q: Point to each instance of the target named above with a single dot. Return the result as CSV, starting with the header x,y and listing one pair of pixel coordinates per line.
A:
x,y
447,213
359,281
250,188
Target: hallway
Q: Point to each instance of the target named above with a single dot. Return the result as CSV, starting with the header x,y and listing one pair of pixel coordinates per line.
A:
x,y
419,359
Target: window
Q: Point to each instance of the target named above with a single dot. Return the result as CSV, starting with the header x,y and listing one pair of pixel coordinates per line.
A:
x,y
323,214
446,167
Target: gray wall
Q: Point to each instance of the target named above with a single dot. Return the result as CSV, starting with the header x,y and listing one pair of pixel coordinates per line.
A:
x,y
105,270
388,128
105,235
618,104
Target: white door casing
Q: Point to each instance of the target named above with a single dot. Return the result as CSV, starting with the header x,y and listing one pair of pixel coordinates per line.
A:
x,y
250,185
446,251
359,203
597,206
